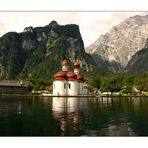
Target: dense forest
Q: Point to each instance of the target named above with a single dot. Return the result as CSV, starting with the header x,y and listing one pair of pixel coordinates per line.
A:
x,y
123,83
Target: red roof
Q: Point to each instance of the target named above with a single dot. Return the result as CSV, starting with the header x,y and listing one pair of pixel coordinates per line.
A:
x,y
65,63
71,75
61,75
76,64
68,75
80,78
64,75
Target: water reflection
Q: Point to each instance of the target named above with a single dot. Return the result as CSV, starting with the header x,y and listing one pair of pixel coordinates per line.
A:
x,y
19,107
122,129
103,116
111,117
105,101
67,111
12,105
136,101
73,116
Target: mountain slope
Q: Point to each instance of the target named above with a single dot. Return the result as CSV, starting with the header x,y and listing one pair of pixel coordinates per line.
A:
x,y
119,45
38,52
139,62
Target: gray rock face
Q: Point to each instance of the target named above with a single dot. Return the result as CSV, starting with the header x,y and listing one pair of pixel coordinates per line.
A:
x,y
121,42
28,44
138,63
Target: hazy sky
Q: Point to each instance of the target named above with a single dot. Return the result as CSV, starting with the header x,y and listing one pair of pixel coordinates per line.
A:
x,y
92,24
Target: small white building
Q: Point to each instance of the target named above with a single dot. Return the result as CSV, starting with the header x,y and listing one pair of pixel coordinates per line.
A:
x,y
69,83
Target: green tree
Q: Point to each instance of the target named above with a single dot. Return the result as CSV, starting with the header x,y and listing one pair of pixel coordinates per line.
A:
x,y
141,82
95,82
128,89
110,84
128,83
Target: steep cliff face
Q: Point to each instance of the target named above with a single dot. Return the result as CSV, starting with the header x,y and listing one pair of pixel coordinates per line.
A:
x,y
38,52
119,45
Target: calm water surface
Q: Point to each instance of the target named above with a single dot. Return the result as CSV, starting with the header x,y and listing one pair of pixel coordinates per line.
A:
x,y
71,116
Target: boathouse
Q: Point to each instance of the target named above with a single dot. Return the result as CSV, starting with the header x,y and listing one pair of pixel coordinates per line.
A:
x,y
13,87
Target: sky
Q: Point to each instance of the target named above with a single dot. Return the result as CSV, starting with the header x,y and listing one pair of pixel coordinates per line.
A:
x,y
91,23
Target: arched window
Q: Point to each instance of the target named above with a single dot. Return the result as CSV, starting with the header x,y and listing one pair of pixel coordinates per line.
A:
x,y
64,85
69,85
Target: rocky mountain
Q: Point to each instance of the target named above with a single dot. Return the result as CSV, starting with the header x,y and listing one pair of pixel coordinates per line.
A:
x,y
38,52
117,47
139,61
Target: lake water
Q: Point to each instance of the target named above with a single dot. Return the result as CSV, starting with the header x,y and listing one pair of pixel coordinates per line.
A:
x,y
72,116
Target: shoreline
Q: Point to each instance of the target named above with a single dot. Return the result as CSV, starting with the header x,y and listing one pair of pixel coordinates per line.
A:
x,y
89,95
51,95
121,95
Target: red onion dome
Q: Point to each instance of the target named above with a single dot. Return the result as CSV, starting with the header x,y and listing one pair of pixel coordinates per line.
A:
x,y
71,76
60,75
80,78
65,63
76,64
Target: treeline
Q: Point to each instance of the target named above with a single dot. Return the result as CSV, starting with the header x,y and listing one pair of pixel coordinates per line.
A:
x,y
123,82
40,84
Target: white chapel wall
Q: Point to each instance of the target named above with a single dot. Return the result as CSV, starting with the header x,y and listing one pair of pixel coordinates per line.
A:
x,y
72,88
58,87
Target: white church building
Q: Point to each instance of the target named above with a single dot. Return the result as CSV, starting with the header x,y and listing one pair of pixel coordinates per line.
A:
x,y
69,83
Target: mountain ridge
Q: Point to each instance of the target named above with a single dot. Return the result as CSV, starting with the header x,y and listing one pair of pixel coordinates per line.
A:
x,y
38,52
121,42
